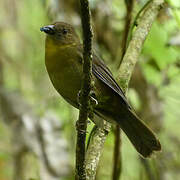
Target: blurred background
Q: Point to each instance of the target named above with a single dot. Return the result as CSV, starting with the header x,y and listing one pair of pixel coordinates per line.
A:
x,y
37,127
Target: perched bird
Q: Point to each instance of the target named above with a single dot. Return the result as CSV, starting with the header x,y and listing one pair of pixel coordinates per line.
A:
x,y
64,58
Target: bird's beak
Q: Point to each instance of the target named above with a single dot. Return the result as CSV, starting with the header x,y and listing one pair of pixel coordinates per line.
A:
x,y
48,29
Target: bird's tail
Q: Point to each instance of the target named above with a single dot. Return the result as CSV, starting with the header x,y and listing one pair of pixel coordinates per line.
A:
x,y
139,134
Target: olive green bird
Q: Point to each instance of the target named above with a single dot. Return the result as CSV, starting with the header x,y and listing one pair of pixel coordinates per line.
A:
x,y
64,58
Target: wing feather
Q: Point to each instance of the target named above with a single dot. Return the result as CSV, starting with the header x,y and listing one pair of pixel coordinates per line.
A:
x,y
101,71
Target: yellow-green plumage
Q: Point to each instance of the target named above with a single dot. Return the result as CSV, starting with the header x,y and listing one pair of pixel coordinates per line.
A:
x,y
63,58
63,75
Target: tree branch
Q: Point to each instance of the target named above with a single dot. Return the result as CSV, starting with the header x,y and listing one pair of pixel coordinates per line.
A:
x,y
136,44
135,23
85,91
95,149
132,54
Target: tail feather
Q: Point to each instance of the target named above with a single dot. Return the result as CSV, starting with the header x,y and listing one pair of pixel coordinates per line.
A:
x,y
139,134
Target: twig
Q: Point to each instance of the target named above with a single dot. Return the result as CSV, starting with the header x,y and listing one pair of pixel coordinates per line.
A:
x,y
147,168
124,43
42,143
85,91
117,161
136,44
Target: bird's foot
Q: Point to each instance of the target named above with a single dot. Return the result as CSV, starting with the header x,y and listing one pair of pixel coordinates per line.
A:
x,y
93,102
93,99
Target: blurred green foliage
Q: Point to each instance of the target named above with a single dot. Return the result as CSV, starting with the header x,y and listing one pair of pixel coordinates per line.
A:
x,y
22,55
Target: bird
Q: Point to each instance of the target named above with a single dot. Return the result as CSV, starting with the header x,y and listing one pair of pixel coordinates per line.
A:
x,y
64,64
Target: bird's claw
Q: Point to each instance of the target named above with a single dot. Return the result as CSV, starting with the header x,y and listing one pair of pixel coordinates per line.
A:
x,y
93,99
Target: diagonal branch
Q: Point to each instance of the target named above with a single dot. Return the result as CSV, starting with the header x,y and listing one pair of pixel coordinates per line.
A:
x,y
135,46
134,49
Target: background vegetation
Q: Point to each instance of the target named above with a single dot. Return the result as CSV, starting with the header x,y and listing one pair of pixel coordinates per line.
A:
x,y
25,90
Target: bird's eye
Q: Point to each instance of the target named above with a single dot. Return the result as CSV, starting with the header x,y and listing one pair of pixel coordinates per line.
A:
x,y
64,31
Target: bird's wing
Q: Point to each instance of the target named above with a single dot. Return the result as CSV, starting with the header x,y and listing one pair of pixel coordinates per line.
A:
x,y
102,72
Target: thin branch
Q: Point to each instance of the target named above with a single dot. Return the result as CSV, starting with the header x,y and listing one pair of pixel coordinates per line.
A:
x,y
85,92
42,143
117,161
148,169
136,44
124,43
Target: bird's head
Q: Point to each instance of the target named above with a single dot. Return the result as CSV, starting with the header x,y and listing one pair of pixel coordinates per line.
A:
x,y
60,34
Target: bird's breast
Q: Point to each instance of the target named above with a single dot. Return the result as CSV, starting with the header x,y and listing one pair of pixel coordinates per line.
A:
x,y
65,72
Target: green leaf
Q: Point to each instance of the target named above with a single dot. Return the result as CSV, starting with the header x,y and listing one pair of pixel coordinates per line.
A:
x,y
156,47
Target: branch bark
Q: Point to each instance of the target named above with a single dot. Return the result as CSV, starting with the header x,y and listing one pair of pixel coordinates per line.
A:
x,y
85,91
95,149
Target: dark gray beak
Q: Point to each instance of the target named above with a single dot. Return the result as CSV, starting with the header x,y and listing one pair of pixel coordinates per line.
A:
x,y
48,29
